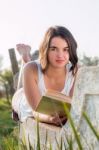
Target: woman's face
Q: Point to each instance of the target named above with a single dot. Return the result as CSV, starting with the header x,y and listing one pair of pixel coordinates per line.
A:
x,y
58,54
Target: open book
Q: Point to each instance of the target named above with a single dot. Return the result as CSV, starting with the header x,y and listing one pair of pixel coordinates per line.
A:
x,y
53,103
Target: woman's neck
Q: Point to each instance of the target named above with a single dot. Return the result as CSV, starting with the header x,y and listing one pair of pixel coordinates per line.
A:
x,y
55,72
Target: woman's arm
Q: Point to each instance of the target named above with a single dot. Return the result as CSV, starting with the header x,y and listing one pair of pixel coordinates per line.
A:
x,y
56,120
30,79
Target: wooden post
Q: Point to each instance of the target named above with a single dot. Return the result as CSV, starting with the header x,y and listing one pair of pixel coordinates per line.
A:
x,y
14,63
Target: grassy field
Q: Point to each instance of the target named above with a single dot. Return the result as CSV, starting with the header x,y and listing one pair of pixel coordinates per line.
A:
x,y
9,131
8,127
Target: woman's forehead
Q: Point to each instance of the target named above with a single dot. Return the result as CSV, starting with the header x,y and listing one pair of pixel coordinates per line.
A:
x,y
58,41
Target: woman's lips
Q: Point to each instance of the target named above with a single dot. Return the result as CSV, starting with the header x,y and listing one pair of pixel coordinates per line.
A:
x,y
60,61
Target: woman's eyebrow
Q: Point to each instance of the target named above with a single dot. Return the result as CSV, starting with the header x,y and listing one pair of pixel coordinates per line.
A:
x,y
66,47
52,47
56,47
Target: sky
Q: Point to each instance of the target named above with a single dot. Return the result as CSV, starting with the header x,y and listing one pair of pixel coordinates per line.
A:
x,y
26,21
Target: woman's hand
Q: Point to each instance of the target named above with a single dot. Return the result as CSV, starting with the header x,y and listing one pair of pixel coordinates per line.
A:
x,y
56,120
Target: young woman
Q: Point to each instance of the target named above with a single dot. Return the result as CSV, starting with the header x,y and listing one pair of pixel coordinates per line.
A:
x,y
56,69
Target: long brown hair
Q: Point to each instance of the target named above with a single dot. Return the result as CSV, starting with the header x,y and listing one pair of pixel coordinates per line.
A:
x,y
67,36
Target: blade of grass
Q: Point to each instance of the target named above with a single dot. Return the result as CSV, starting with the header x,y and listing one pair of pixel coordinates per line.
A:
x,y
73,127
50,146
38,136
61,144
23,141
69,141
90,125
57,142
30,146
46,139
22,145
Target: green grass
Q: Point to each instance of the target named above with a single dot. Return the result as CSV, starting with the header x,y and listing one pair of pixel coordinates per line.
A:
x,y
9,139
7,125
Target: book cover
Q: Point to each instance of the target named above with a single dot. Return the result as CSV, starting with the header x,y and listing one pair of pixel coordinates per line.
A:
x,y
53,103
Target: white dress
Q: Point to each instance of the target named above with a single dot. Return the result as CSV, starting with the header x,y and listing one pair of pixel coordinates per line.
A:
x,y
19,102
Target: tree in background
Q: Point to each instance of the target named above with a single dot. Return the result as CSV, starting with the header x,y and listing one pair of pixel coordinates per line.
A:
x,y
6,78
89,61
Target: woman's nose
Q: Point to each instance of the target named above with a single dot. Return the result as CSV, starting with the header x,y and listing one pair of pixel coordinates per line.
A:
x,y
59,53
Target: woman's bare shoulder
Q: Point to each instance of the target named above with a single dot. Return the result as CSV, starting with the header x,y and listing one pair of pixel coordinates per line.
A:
x,y
30,65
31,69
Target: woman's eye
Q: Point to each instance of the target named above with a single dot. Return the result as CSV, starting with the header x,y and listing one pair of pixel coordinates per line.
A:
x,y
52,48
66,49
